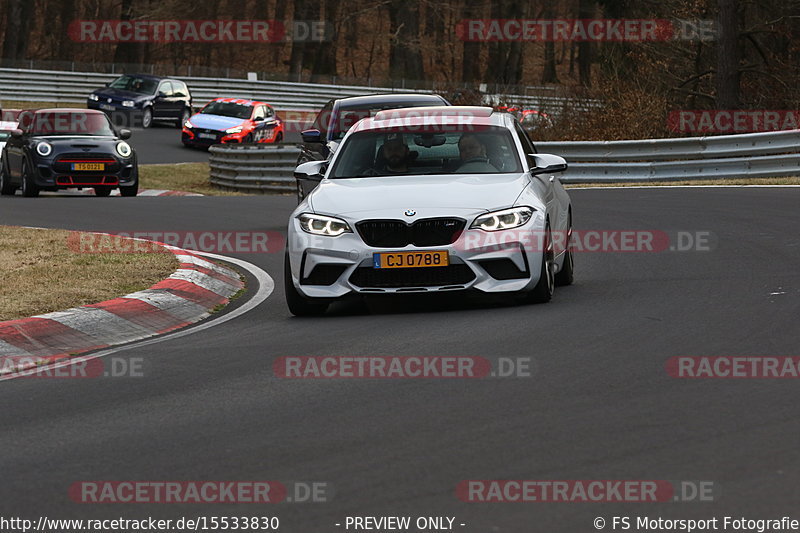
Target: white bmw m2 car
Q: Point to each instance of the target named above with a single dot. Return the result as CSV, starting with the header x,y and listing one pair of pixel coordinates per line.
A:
x,y
433,199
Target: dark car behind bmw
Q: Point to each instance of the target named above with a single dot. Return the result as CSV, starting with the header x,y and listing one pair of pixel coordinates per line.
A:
x,y
141,100
338,115
56,149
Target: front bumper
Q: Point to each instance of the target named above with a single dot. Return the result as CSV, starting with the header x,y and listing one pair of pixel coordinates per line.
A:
x,y
54,175
333,267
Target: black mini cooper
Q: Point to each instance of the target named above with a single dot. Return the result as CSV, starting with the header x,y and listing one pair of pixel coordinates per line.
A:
x,y
56,149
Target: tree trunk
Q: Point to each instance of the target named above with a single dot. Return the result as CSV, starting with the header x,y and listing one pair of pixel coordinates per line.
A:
x,y
470,63
727,78
585,11
405,58
549,74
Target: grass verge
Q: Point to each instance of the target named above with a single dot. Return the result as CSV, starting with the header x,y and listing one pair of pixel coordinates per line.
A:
x,y
16,104
187,177
737,181
43,273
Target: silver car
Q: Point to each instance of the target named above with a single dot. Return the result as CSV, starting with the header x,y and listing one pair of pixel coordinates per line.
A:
x,y
434,199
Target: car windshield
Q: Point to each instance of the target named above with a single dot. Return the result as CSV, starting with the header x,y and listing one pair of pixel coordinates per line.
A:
x,y
135,84
66,123
228,109
404,151
349,115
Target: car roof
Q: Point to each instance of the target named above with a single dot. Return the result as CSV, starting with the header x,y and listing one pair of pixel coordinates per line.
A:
x,y
387,98
445,115
66,110
151,76
240,101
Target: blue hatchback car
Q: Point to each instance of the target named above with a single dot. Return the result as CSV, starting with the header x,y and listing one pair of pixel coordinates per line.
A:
x,y
142,99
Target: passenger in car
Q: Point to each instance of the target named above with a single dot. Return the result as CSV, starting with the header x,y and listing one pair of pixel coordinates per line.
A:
x,y
473,154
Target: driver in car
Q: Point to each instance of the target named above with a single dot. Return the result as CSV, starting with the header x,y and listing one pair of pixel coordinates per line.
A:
x,y
396,154
472,151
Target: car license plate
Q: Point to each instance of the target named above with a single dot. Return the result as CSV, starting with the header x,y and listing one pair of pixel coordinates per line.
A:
x,y
206,135
88,166
432,258
106,107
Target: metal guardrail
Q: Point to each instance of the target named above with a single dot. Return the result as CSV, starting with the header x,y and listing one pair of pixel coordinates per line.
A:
x,y
269,168
253,167
73,87
751,155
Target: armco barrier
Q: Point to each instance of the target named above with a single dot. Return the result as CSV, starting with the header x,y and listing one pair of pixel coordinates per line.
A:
x,y
73,87
265,168
751,155
268,168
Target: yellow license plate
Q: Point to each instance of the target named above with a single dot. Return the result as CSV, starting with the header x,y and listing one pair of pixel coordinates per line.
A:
x,y
432,258
88,166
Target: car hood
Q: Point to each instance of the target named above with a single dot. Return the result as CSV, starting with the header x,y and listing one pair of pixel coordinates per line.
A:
x,y
392,195
214,122
119,94
77,142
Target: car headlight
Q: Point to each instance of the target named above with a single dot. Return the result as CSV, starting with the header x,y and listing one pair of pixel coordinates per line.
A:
x,y
505,219
44,149
188,124
127,103
322,225
124,149
94,97
236,129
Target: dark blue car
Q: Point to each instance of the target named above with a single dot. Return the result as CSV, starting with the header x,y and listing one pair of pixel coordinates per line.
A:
x,y
141,99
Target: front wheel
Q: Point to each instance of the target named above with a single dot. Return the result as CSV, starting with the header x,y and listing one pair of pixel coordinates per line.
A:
x,y
29,188
566,275
6,188
147,117
130,190
298,304
543,291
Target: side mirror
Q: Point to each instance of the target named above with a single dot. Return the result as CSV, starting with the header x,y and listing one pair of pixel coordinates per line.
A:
x,y
124,134
161,94
16,133
312,170
258,119
547,164
311,136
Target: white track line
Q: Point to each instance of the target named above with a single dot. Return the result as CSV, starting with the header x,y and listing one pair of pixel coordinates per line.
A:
x,y
265,287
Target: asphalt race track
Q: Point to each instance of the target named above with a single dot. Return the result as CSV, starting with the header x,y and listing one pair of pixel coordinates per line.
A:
x,y
162,144
599,405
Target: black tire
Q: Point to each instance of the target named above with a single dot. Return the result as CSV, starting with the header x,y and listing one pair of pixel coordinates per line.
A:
x,y
102,191
147,117
185,114
279,138
248,139
566,275
6,188
130,190
29,188
543,291
298,304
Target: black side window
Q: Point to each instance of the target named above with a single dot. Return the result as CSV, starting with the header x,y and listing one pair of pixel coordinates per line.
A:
x,y
268,112
527,145
323,119
166,88
180,89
